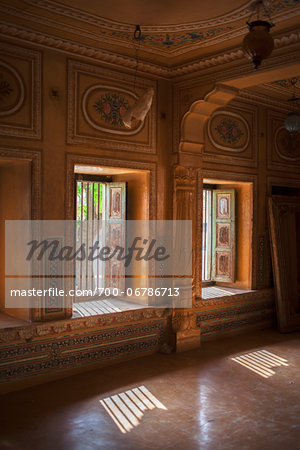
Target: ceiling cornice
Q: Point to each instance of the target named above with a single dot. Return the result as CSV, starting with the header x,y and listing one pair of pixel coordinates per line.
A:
x,y
264,100
72,47
101,22
18,32
234,55
167,40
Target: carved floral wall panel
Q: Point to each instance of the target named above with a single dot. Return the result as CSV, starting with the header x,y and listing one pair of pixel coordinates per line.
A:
x,y
284,147
231,136
20,92
97,100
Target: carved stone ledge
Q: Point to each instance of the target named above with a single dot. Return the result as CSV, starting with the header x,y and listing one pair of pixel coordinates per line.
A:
x,y
80,324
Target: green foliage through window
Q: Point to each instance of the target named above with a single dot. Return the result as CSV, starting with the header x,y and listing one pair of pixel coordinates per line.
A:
x,y
89,198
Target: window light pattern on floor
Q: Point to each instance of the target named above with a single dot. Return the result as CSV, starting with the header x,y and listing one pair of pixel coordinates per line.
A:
x,y
127,409
261,362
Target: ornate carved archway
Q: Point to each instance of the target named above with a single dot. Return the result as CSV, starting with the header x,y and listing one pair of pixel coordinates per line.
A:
x,y
187,180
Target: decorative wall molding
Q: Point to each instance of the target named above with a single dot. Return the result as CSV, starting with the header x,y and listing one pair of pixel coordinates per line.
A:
x,y
232,132
281,181
282,152
72,160
83,347
85,126
246,155
82,324
21,117
34,157
13,87
225,315
287,145
263,266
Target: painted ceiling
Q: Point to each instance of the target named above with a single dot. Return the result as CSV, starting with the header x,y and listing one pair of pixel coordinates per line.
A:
x,y
281,90
173,31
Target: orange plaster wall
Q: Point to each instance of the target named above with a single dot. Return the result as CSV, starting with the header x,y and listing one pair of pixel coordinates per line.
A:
x,y
15,204
137,209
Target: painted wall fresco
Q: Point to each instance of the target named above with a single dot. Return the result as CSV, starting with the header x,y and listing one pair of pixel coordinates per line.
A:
x,y
231,135
284,148
228,131
287,145
20,92
97,101
44,355
104,108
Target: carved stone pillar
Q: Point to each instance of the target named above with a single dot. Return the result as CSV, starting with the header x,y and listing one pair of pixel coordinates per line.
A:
x,y
187,334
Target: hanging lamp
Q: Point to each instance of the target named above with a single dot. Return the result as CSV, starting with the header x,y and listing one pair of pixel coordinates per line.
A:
x,y
292,122
258,43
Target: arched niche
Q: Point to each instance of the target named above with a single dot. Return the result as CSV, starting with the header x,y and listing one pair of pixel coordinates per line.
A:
x,y
187,177
193,121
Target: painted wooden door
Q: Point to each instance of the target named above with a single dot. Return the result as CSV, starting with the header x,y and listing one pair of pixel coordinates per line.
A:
x,y
115,233
223,235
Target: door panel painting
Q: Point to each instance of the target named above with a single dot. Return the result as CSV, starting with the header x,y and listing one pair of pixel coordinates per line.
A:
x,y
223,235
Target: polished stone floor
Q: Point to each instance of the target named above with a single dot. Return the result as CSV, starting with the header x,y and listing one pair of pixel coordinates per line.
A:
x,y
234,393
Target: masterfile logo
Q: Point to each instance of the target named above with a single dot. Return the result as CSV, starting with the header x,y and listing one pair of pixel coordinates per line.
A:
x,y
60,262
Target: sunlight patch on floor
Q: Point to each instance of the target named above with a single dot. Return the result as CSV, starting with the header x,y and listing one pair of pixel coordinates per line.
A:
x,y
127,409
261,362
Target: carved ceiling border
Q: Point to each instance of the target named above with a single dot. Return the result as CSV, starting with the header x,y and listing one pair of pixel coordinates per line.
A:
x,y
261,99
238,54
287,90
73,159
114,26
75,13
72,47
75,48
165,51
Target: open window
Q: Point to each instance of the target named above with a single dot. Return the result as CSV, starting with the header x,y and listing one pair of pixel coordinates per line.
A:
x,y
227,234
99,200
218,257
109,194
